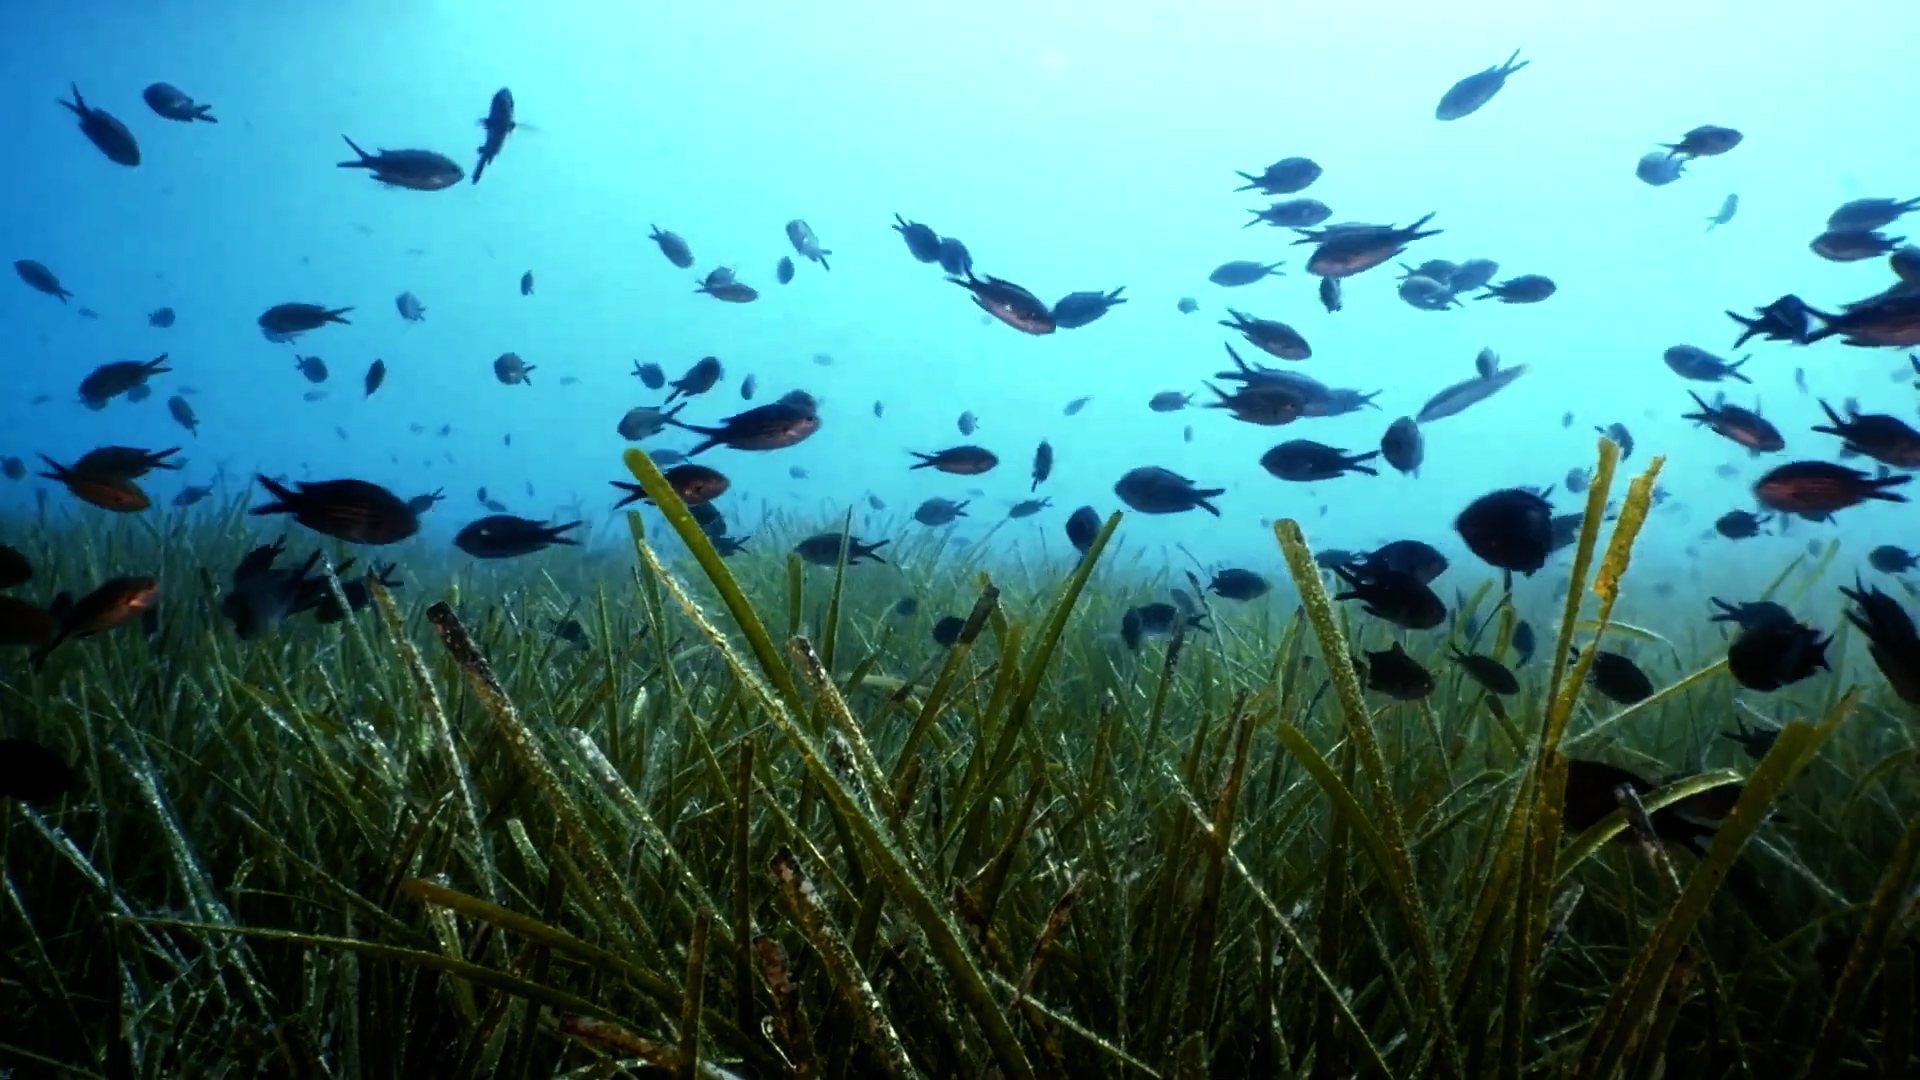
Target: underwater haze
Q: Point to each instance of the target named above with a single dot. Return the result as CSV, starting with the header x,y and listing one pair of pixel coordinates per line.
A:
x,y
1072,147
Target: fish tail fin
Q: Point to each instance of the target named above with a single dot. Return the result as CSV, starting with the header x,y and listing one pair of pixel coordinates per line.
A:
x,y
205,112
283,499
362,157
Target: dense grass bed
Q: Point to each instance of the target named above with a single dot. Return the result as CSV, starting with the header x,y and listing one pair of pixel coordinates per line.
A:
x,y
759,825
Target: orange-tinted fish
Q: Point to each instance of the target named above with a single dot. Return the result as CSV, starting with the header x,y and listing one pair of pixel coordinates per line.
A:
x,y
115,493
120,600
695,484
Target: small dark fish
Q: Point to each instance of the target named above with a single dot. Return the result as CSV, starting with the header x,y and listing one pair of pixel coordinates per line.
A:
x,y
376,376
1345,252
937,511
1819,487
104,131
182,413
410,307
351,510
1397,675
801,236
168,101
1658,169
783,270
677,250
1618,678
1398,598
289,319
1467,96
1893,642
124,462
946,632
1330,294
1775,655
1073,407
1621,437
510,370
1866,215
651,376
40,279
191,494
955,259
1007,302
1707,140
1756,741
13,468
1523,641
1882,437
703,376
1889,559
115,493
1510,529
504,536
414,170
1042,464
1270,336
1417,559
1083,527
1749,614
1154,490
776,425
1786,319
1525,289
823,549
312,367
1291,214
1729,206
922,241
1077,309
1846,247
163,318
1402,446
1491,674
1234,583
498,124
1306,461
1284,177
1740,524
1188,305
1243,272
722,286
958,460
526,283
1026,508
1698,364
906,608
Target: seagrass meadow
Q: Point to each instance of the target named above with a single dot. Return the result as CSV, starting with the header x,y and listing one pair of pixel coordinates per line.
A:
x,y
756,826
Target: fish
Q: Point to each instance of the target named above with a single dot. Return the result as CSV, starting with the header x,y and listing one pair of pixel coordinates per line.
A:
x,y
955,259
1270,336
1009,303
1509,529
410,307
1151,489
1082,528
958,460
298,318
1697,364
1887,558
783,270
923,242
1819,487
1776,654
1491,674
1402,446
505,536
355,511
1867,215
1884,438
1397,675
118,494
162,318
801,236
115,603
1077,309
1073,407
652,377
1169,401
938,511
41,280
1243,272
104,130
1489,379
1658,169
1291,214
1707,140
776,425
376,376
823,549
1742,426
413,170
1306,461
1330,294
1525,289
1234,583
498,124
1288,176
1892,641
526,283
1393,596
673,246
1346,252
312,368
1042,464
1729,206
1618,678
946,632
1471,94
1786,319
171,102
968,423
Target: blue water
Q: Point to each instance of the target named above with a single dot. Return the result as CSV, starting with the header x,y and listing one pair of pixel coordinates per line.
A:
x,y
1071,146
